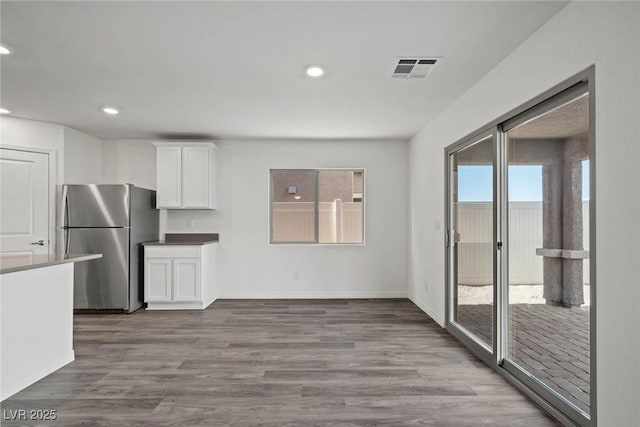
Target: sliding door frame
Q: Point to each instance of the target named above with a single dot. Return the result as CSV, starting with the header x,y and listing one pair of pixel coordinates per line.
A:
x,y
456,329
547,106
544,396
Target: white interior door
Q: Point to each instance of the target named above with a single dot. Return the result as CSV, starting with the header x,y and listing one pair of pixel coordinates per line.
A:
x,y
24,202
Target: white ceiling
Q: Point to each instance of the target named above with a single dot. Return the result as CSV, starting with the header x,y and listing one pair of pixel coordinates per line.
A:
x,y
234,69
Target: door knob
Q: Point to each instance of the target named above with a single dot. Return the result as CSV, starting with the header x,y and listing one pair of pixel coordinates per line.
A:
x,y
39,243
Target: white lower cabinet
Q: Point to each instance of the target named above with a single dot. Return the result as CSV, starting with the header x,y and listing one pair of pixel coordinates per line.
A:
x,y
180,276
157,277
186,279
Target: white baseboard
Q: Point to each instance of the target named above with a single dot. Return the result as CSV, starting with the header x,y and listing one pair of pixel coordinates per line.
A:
x,y
428,310
197,305
9,390
208,302
309,295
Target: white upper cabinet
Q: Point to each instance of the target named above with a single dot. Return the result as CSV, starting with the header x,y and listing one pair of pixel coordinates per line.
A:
x,y
169,177
186,175
195,164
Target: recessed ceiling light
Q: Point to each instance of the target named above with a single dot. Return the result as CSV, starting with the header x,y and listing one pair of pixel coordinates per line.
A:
x,y
314,71
4,50
112,111
4,111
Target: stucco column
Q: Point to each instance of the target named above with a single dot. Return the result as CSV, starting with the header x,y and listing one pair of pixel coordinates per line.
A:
x,y
552,230
572,222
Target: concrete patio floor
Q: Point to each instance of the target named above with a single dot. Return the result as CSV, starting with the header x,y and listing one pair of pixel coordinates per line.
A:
x,y
550,342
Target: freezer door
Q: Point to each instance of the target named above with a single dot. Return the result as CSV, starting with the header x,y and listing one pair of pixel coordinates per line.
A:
x,y
94,206
100,283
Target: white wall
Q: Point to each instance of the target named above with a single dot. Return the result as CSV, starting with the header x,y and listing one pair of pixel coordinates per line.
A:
x,y
249,266
35,135
130,162
81,153
581,34
42,137
83,158
74,157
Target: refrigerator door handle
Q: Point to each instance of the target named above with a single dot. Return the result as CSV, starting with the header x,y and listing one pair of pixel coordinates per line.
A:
x,y
62,243
63,213
66,241
63,222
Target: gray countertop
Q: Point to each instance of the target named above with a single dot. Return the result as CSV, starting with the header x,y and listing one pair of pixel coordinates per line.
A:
x,y
13,263
186,239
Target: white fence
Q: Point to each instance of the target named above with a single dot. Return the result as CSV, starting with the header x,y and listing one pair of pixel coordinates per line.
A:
x,y
293,222
475,264
338,222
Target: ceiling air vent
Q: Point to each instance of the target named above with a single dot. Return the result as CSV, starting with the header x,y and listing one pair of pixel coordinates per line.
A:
x,y
413,68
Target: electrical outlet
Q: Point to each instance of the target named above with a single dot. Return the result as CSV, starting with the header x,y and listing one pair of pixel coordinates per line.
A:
x,y
296,275
426,286
189,222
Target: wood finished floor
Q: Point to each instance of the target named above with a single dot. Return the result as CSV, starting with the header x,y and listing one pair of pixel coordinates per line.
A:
x,y
275,363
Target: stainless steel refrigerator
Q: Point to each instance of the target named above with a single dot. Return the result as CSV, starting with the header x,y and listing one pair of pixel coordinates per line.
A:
x,y
112,220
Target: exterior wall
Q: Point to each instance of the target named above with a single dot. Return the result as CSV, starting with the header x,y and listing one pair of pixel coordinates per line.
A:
x,y
305,183
332,185
336,185
581,34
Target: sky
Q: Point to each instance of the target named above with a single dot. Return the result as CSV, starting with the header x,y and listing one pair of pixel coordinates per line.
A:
x,y
525,183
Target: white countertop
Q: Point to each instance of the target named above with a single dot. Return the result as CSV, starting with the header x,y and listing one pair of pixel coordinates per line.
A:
x,y
13,263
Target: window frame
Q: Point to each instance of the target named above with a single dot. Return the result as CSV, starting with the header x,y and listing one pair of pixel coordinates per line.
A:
x,y
316,241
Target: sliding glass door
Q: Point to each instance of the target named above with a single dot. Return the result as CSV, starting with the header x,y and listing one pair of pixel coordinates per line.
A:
x,y
520,248
472,238
548,244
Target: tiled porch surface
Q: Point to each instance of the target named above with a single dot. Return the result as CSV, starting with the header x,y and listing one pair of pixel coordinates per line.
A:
x,y
550,342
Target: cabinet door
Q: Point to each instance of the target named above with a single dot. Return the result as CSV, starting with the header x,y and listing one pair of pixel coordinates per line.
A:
x,y
186,279
169,177
195,177
157,279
